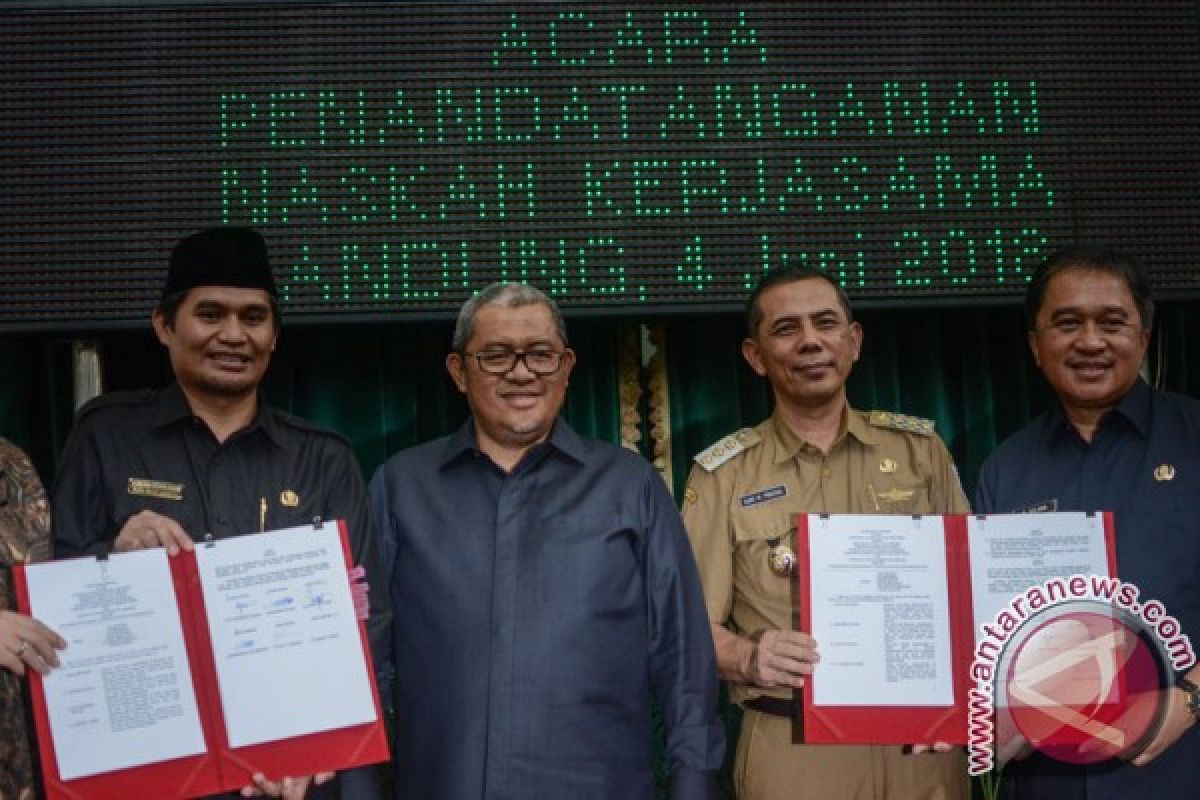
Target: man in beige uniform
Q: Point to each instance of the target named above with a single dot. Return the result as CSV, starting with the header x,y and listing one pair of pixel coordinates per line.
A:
x,y
814,454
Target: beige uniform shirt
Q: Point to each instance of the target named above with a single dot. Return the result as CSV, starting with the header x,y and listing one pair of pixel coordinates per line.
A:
x,y
744,493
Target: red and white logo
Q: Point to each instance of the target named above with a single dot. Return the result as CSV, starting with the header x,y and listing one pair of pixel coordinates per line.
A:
x,y
1085,683
1084,678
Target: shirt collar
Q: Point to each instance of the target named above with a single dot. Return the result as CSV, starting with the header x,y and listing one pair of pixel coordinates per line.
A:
x,y
858,427
267,421
565,440
788,444
1134,408
171,408
462,442
459,444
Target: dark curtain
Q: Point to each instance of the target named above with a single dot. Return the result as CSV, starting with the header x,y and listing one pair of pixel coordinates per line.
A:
x,y
385,387
35,397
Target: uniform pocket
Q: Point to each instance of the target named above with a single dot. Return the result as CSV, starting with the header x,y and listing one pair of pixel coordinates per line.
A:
x,y
763,587
901,498
760,525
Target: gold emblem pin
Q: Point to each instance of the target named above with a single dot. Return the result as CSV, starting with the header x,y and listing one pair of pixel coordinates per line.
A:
x,y
689,495
888,465
1164,472
781,560
289,498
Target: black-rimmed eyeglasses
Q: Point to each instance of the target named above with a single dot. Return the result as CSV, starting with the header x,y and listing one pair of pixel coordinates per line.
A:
x,y
503,360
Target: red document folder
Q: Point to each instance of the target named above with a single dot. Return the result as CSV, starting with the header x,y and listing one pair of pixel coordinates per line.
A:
x,y
826,724
221,768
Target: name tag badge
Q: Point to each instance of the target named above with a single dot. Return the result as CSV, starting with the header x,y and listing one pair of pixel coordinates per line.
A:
x,y
1044,507
144,487
763,496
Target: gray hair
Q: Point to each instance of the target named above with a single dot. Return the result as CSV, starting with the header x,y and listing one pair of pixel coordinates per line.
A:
x,y
508,295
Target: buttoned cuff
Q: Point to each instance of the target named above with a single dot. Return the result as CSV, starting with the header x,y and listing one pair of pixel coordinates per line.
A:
x,y
693,784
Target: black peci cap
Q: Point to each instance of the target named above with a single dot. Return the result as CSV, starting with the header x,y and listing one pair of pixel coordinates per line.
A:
x,y
223,256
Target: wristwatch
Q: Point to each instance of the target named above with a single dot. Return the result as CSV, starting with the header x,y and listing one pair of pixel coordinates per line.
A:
x,y
1193,695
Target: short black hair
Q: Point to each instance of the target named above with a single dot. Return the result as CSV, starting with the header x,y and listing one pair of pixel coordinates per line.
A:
x,y
169,305
1097,258
781,276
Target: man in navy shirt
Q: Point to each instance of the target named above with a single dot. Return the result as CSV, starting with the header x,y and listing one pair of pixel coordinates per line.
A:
x,y
1111,443
547,591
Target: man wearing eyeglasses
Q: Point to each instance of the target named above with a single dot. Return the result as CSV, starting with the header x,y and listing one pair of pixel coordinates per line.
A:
x,y
546,587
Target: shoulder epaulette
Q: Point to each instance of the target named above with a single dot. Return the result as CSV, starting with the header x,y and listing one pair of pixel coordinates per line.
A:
x,y
726,448
901,422
138,397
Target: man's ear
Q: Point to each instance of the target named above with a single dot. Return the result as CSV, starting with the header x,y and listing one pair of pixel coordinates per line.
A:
x,y
458,371
568,364
1031,337
856,336
753,357
161,329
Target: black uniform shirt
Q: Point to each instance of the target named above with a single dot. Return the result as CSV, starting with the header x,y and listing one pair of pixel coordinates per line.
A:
x,y
134,451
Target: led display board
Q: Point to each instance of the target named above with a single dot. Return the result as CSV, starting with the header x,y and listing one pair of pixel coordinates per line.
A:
x,y
627,157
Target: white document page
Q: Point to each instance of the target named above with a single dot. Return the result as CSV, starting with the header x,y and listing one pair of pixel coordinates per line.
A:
x,y
284,634
880,610
123,696
1013,552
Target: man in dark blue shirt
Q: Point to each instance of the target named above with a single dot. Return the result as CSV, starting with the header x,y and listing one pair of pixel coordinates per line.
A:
x,y
1112,443
545,587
